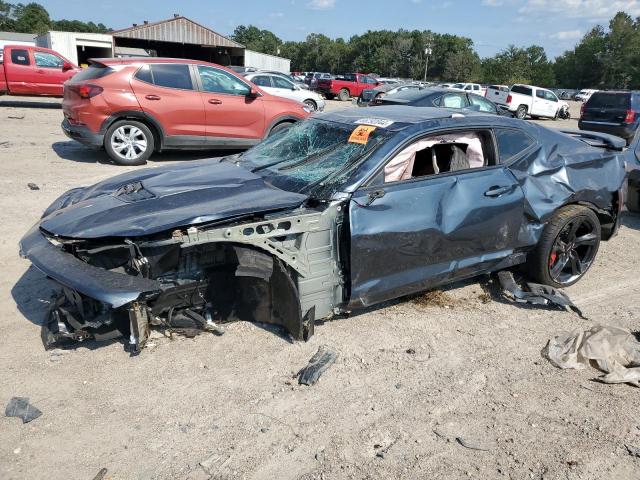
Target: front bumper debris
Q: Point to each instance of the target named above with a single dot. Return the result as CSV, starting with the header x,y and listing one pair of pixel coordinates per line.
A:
x,y
114,289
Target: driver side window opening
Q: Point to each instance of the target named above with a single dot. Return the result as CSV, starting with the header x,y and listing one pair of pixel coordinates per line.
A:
x,y
440,154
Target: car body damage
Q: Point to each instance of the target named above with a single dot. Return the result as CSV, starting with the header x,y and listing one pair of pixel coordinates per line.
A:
x,y
305,225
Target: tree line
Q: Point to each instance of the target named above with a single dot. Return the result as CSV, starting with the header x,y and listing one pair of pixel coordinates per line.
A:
x,y
34,18
606,57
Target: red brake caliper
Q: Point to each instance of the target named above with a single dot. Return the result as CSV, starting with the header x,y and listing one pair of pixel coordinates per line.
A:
x,y
552,258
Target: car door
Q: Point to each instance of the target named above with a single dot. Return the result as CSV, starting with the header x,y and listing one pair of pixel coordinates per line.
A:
x,y
454,100
165,91
264,82
409,235
50,72
482,105
20,71
552,103
539,103
231,111
286,89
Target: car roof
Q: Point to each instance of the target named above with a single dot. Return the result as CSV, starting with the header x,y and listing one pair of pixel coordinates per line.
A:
x,y
140,60
402,116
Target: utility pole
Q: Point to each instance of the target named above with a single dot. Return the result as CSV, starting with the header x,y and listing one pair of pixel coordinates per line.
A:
x,y
427,52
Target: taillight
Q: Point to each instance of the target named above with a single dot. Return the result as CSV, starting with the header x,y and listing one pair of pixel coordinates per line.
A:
x,y
509,98
630,117
86,91
582,110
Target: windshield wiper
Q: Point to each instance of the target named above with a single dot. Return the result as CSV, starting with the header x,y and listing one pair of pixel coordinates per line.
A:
x,y
311,158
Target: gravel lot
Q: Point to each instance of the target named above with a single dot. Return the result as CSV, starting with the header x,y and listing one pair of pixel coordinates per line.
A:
x,y
411,377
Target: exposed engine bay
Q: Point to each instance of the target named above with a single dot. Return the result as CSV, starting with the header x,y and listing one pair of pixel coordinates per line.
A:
x,y
282,270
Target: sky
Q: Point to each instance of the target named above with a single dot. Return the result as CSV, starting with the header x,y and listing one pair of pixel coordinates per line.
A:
x,y
557,25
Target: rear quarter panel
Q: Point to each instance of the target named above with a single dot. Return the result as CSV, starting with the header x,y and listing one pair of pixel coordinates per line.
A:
x,y
561,170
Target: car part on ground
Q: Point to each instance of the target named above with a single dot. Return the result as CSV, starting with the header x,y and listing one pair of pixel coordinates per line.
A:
x,y
320,220
132,107
535,293
21,408
318,364
613,350
564,113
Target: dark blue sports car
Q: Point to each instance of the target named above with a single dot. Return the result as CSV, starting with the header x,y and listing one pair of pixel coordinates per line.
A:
x,y
341,211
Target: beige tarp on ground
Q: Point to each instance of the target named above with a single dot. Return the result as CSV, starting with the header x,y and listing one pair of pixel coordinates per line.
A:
x,y
613,350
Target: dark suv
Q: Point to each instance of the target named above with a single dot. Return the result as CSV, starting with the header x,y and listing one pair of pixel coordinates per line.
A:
x,y
613,112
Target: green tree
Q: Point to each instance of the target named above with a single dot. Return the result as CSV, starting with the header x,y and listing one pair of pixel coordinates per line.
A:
x,y
7,21
31,18
463,65
253,38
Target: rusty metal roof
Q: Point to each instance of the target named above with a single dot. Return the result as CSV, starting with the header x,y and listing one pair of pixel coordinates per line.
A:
x,y
178,30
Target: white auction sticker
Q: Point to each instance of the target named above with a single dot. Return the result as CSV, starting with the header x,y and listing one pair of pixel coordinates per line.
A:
x,y
376,122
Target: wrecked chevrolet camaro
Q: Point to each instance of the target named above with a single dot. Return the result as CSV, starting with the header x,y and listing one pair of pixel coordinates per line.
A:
x,y
337,213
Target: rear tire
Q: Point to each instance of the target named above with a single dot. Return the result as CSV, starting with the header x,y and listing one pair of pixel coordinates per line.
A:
x,y
129,142
521,112
567,247
344,95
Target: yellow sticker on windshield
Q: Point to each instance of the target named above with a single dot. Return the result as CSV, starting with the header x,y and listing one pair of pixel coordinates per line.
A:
x,y
361,134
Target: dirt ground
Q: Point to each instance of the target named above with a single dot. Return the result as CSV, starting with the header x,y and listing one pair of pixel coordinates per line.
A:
x,y
411,377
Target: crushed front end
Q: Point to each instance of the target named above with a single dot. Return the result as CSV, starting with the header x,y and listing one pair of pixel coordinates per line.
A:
x,y
283,269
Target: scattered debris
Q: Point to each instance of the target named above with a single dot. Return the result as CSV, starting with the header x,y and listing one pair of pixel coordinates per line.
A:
x,y
633,451
411,351
33,186
16,117
276,419
101,474
436,298
21,408
537,293
214,463
474,444
484,297
441,434
613,350
6,143
572,463
56,355
318,364
382,452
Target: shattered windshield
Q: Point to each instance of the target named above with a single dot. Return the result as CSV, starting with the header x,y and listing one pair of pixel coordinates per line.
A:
x,y
312,154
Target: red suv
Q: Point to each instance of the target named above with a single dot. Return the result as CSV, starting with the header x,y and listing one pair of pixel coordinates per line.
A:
x,y
134,107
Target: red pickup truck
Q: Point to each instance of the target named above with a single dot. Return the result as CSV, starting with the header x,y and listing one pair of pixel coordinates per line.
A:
x,y
346,86
26,70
